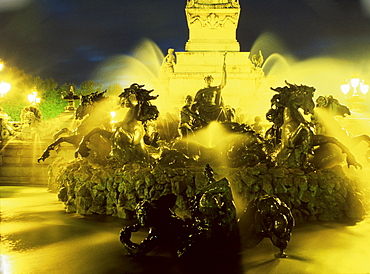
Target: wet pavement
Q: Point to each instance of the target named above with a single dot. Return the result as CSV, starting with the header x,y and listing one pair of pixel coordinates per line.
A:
x,y
37,236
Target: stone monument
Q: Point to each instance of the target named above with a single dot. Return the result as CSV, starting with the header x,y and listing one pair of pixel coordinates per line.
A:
x,y
212,32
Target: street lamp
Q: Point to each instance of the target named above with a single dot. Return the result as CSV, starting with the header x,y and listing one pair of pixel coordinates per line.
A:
x,y
364,88
113,114
33,99
4,88
354,84
355,91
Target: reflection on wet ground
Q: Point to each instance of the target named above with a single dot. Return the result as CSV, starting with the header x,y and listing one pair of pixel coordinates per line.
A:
x,y
39,237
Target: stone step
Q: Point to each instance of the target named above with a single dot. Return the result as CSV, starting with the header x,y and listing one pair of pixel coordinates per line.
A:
x,y
29,170
18,180
18,163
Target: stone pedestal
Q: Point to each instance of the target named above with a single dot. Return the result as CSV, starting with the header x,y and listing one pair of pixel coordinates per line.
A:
x,y
244,80
212,25
212,32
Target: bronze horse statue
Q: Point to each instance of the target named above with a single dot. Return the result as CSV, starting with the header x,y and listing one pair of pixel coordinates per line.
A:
x,y
327,108
127,140
292,135
93,112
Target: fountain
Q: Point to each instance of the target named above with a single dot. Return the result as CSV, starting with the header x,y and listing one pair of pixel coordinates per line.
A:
x,y
151,160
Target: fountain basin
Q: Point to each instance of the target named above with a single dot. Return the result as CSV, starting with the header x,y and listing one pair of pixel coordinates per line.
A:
x,y
323,195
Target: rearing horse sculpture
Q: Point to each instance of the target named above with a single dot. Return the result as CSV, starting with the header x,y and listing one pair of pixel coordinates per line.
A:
x,y
127,140
327,108
92,112
292,133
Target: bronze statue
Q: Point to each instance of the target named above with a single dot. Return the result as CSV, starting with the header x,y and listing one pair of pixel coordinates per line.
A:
x,y
213,223
291,133
323,119
187,118
128,137
267,217
90,118
208,101
71,97
165,229
213,209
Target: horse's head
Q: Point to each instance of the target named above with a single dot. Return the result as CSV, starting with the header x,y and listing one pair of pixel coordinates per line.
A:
x,y
302,97
96,97
129,97
87,103
332,105
294,96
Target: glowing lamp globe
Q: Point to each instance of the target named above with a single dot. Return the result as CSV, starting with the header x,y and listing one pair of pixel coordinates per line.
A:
x,y
4,88
33,99
355,82
364,89
345,88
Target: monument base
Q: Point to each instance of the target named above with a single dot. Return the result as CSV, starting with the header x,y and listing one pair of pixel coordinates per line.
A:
x,y
243,84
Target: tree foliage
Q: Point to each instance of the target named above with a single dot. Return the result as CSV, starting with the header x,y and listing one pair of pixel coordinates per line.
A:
x,y
90,86
22,85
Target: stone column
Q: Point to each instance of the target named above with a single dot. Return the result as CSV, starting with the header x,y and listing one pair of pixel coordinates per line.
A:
x,y
212,25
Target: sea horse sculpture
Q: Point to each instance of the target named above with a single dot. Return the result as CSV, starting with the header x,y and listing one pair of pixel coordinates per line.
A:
x,y
213,220
128,137
213,223
292,134
325,122
165,229
90,117
267,217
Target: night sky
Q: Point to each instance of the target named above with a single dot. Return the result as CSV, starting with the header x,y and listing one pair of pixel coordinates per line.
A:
x,y
67,39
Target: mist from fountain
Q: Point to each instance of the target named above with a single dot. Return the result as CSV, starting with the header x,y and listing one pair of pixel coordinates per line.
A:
x,y
141,67
325,73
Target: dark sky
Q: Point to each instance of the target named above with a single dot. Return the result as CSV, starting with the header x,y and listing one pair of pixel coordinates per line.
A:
x,y
67,39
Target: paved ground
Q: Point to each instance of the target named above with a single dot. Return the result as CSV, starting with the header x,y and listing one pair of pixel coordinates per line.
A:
x,y
38,237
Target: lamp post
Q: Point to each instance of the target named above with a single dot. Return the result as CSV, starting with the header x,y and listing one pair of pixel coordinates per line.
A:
x,y
355,91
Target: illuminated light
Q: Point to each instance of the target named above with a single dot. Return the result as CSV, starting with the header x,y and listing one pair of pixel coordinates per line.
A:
x,y
345,88
113,114
1,65
364,88
33,99
355,82
4,88
5,266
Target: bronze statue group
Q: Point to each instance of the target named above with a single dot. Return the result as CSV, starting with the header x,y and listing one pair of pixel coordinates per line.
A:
x,y
291,142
